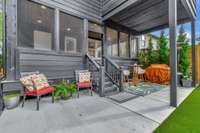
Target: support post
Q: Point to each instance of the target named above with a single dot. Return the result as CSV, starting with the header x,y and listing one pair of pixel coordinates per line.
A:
x,y
101,81
121,80
57,30
85,44
193,53
173,51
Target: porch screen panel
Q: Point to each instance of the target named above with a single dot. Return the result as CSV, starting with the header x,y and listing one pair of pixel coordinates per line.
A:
x,y
35,25
133,46
71,33
123,45
2,62
112,42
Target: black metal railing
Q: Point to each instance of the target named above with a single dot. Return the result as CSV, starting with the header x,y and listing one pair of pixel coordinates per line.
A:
x,y
97,72
93,66
114,72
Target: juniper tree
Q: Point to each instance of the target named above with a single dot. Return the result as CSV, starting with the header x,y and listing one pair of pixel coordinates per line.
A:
x,y
184,62
150,53
163,50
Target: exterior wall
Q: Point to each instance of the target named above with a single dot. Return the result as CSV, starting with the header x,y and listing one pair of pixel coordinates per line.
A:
x,y
54,64
145,41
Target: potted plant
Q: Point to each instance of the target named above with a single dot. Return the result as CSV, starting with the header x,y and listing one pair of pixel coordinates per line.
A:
x,y
186,81
11,100
184,62
64,90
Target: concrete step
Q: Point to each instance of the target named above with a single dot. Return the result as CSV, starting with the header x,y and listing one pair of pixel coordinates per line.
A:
x,y
110,89
108,84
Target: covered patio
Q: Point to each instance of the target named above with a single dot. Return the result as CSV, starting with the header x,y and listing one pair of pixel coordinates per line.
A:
x,y
142,113
140,17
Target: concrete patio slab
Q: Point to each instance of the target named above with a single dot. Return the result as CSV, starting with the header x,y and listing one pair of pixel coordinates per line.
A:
x,y
84,115
156,105
91,114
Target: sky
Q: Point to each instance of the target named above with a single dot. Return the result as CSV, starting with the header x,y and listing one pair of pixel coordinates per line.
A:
x,y
187,26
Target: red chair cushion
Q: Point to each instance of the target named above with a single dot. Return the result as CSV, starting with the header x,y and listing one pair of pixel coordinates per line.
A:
x,y
84,84
40,92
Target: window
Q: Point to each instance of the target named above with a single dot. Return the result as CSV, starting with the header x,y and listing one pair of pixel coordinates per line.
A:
x,y
112,42
123,45
71,33
95,27
133,46
35,25
94,48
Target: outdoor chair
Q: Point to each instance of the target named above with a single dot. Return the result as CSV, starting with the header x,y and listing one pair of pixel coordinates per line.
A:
x,y
141,75
35,84
83,80
126,74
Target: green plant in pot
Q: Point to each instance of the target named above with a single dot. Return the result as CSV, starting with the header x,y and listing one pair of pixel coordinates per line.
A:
x,y
184,62
64,90
11,100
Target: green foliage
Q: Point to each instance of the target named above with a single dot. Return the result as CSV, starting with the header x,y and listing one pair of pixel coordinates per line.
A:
x,y
1,61
64,90
182,35
7,97
184,62
163,50
142,58
150,53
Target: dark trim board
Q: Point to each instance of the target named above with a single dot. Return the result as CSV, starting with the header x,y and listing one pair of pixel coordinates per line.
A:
x,y
119,27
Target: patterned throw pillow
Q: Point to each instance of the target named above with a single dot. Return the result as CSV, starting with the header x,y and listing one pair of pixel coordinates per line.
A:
x,y
40,81
84,77
27,82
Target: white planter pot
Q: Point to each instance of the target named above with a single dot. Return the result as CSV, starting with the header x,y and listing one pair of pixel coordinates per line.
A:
x,y
186,83
11,102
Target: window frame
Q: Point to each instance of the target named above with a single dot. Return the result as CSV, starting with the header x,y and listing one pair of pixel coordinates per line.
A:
x,y
53,45
63,51
117,55
128,43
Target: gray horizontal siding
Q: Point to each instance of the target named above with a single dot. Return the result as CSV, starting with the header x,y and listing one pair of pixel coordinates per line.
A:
x,y
90,9
52,64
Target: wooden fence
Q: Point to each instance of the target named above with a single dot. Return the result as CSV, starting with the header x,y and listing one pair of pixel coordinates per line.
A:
x,y
197,62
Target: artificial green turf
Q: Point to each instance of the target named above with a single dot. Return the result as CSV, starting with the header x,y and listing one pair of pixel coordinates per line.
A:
x,y
186,118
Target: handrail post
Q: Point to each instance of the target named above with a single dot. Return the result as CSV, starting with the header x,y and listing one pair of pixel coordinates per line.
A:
x,y
121,80
101,80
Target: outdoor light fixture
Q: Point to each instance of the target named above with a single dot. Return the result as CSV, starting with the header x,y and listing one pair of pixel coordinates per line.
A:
x,y
39,21
43,7
68,29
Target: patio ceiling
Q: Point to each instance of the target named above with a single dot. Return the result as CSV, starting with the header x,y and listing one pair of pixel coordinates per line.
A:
x,y
144,16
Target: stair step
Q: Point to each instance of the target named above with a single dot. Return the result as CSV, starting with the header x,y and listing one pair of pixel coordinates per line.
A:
x,y
108,94
108,84
110,89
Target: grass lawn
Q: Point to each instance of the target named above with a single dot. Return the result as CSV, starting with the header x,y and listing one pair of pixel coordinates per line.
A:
x,y
186,118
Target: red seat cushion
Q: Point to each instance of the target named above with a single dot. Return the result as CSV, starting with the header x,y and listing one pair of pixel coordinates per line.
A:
x,y
40,92
84,84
